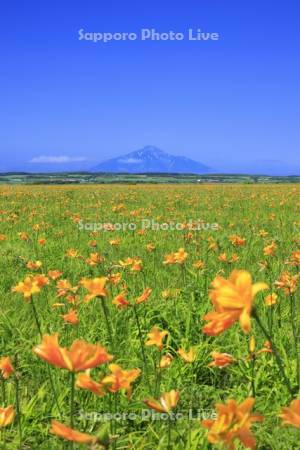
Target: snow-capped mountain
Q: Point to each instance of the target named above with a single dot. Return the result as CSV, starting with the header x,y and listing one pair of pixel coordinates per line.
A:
x,y
151,159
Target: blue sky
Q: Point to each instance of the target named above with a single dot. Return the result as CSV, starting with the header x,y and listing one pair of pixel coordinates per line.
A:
x,y
226,103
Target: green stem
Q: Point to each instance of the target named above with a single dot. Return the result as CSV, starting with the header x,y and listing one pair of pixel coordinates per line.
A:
x,y
107,322
253,376
295,336
72,404
38,325
3,439
18,406
158,375
275,352
169,434
36,317
141,340
3,391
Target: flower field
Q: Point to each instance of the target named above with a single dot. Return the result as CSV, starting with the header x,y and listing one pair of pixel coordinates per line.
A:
x,y
150,317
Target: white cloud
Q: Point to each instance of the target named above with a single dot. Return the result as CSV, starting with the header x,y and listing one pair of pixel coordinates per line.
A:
x,y
56,159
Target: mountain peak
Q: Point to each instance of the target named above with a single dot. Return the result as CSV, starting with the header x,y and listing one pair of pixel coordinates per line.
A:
x,y
151,159
151,149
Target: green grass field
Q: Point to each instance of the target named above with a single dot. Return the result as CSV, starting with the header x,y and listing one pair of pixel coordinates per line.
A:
x,y
43,223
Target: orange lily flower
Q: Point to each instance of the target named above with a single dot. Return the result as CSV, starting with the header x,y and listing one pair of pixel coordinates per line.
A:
x,y
144,296
23,236
54,274
63,287
137,266
156,337
33,265
287,282
114,278
187,356
41,280
7,415
223,257
69,434
232,300
28,287
267,348
80,357
271,299
234,258
166,402
291,415
150,247
170,293
165,361
295,258
126,262
198,264
6,367
170,259
233,423
84,381
270,250
237,240
120,378
120,301
115,242
96,287
221,359
94,259
180,256
72,253
71,317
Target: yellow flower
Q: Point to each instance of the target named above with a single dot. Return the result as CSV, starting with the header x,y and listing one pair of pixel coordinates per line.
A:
x,y
237,240
198,264
187,356
28,287
271,299
115,242
96,287
72,253
233,423
120,379
114,278
33,265
270,250
94,259
165,361
178,257
166,402
156,337
232,300
7,415
287,282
